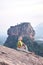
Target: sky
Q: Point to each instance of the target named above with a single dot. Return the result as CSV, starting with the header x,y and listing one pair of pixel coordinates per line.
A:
x,y
13,12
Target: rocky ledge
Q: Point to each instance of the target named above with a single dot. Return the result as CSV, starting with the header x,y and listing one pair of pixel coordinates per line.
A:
x,y
10,56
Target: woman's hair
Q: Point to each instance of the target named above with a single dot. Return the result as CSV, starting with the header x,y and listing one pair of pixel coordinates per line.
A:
x,y
20,38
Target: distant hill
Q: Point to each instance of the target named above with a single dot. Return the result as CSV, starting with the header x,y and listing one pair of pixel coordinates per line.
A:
x,y
39,30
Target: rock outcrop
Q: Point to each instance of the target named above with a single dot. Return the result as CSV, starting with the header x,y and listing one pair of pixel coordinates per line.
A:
x,y
13,57
23,29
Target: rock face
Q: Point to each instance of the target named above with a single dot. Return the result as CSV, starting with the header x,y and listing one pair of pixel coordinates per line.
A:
x,y
13,57
23,29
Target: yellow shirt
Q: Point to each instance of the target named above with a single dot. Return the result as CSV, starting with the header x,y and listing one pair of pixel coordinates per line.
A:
x,y
20,43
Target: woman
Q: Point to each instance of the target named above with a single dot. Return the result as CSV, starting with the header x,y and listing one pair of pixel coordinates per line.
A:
x,y
20,45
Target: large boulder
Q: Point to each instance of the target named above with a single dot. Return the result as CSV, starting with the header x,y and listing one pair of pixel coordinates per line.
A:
x,y
23,29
